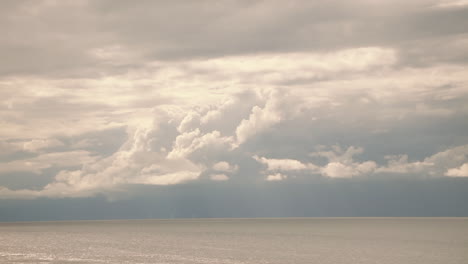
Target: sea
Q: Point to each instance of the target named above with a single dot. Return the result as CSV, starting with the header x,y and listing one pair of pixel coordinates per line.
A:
x,y
239,241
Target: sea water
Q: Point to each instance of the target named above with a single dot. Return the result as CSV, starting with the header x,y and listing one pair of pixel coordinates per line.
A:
x,y
256,241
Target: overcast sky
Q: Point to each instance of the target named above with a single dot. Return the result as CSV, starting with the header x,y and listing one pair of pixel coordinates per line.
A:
x,y
119,100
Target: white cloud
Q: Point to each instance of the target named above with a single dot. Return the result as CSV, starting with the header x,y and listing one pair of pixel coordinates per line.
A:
x,y
260,119
219,177
217,113
337,154
204,115
30,145
224,166
187,143
35,107
274,68
451,4
190,121
341,163
340,170
282,164
134,163
177,177
435,165
139,161
48,160
276,177
461,171
399,164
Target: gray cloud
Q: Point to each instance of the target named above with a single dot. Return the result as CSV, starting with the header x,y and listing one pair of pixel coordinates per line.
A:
x,y
112,36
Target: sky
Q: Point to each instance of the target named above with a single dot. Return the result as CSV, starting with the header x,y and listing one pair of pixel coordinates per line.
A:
x,y
140,109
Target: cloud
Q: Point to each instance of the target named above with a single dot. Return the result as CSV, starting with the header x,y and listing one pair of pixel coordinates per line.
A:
x,y
224,166
303,88
219,177
108,39
399,164
228,92
341,164
37,144
48,160
462,171
451,4
168,145
276,177
282,164
8,148
337,154
340,170
260,118
187,143
435,165
168,178
134,163
6,193
274,68
192,119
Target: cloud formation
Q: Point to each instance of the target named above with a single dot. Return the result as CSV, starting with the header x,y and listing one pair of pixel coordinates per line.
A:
x,y
462,171
262,91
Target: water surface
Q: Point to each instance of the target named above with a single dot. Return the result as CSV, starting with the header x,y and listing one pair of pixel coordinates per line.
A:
x,y
256,241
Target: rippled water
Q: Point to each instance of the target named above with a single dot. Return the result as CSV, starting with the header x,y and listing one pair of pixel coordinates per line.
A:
x,y
308,240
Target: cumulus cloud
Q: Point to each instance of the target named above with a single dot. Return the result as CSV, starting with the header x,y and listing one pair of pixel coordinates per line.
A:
x,y
224,166
190,121
177,177
175,148
134,163
342,170
282,164
462,171
259,120
435,165
276,177
340,164
187,143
